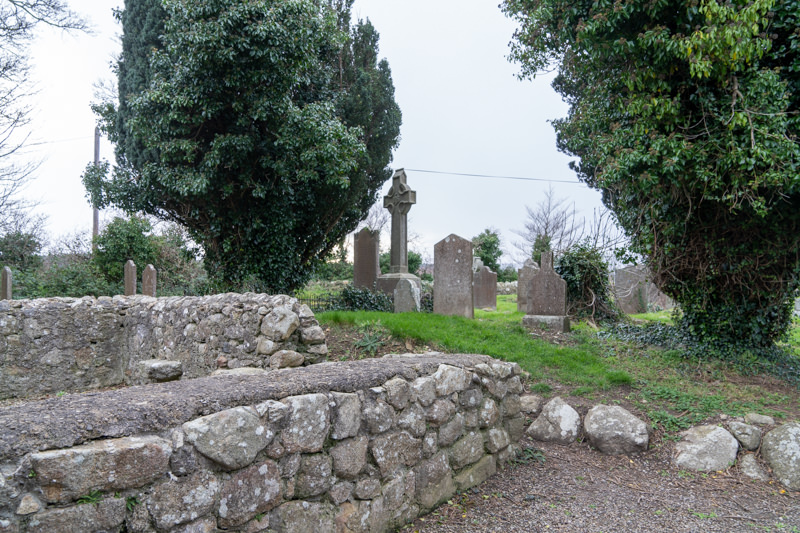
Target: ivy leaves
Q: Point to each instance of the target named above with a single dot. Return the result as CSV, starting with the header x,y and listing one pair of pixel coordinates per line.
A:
x,y
685,115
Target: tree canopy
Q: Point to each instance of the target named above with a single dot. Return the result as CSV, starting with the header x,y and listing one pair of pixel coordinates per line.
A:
x,y
685,115
264,127
487,248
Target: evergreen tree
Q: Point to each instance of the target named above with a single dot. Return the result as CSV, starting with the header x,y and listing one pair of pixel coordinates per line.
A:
x,y
266,129
487,248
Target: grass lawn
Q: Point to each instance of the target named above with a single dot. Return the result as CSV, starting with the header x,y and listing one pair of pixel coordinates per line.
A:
x,y
671,391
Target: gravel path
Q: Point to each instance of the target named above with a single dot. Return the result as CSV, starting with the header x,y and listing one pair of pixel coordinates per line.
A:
x,y
579,490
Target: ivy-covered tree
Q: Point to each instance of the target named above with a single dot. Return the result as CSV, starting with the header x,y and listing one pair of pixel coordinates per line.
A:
x,y
266,129
486,246
686,115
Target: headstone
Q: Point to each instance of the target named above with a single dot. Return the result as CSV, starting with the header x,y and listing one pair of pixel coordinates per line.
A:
x,y
6,289
477,264
149,281
398,201
484,289
547,299
635,293
366,258
130,278
406,297
452,276
630,289
524,277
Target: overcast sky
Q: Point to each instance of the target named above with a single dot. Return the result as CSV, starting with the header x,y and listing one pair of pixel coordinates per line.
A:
x,y
464,111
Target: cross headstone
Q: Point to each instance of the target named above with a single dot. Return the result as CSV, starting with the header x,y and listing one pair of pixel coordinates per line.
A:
x,y
366,258
484,289
130,278
5,288
399,201
452,276
524,277
547,298
149,281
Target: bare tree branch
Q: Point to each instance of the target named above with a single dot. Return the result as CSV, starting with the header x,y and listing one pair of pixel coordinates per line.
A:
x,y
17,21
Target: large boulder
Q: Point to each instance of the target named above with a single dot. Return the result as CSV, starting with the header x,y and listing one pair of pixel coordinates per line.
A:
x,y
558,423
706,448
614,431
781,449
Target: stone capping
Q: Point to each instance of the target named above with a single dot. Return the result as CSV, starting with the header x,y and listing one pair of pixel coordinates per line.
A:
x,y
406,431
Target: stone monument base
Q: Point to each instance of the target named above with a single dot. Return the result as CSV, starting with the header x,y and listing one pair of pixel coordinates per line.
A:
x,y
559,324
388,282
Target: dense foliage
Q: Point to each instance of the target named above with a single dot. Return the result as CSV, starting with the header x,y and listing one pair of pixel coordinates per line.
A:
x,y
486,246
685,115
71,268
414,262
363,299
588,279
266,130
123,240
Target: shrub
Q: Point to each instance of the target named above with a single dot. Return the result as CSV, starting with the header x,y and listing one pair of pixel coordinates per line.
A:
x,y
124,240
588,282
363,299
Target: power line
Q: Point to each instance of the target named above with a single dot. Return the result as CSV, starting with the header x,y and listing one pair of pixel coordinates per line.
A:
x,y
41,143
493,176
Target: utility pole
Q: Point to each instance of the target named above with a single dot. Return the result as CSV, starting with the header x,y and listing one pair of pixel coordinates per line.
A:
x,y
95,211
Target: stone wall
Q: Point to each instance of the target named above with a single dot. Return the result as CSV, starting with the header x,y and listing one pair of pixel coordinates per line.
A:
x,y
507,287
66,344
350,447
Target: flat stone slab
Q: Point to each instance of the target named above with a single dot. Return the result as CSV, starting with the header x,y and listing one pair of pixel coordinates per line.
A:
x,y
559,324
73,419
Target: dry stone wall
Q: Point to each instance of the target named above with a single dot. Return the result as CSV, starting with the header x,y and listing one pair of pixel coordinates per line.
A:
x,y
66,344
336,447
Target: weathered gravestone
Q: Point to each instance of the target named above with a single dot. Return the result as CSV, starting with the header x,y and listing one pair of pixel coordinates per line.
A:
x,y
547,299
149,281
130,278
366,258
484,289
406,297
5,286
452,277
635,293
524,277
398,201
